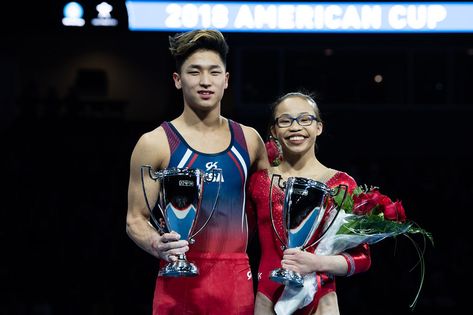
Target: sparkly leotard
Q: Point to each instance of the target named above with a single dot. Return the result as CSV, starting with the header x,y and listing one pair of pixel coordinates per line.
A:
x,y
358,259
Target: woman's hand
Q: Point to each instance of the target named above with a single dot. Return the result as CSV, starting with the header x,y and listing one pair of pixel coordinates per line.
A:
x,y
305,262
300,261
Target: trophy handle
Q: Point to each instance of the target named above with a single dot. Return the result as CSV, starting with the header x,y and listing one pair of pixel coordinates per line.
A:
x,y
154,176
284,245
214,172
333,192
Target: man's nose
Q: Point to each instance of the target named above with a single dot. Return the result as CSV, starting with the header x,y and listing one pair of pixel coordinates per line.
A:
x,y
205,80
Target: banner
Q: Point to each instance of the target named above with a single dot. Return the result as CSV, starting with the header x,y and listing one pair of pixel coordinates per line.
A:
x,y
301,17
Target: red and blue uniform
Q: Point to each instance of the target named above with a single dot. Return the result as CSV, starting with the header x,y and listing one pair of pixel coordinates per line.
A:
x,y
224,284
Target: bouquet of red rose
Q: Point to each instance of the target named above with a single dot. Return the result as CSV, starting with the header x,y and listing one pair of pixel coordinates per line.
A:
x,y
365,216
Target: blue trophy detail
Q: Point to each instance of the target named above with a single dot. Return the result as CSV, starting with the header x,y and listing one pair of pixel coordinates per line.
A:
x,y
184,218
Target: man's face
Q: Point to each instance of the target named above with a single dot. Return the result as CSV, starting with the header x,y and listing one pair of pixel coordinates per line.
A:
x,y
203,79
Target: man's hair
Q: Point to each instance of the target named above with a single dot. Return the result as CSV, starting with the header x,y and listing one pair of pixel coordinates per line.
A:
x,y
182,45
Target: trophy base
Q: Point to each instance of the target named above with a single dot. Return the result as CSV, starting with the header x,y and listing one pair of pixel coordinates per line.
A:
x,y
287,277
180,268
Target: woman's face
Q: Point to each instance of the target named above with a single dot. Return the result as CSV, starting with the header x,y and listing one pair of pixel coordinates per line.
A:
x,y
296,139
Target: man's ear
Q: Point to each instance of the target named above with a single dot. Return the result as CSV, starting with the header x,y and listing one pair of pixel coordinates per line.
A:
x,y
177,80
227,77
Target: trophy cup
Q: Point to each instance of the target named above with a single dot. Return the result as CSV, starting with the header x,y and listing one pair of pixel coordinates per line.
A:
x,y
177,208
305,205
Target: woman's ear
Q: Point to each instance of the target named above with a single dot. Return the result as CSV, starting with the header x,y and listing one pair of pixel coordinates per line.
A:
x,y
320,128
272,132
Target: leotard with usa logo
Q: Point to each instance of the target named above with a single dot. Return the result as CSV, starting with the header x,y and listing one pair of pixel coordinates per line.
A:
x,y
227,229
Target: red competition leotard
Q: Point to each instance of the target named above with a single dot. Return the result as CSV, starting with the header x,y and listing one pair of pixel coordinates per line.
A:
x,y
224,284
358,258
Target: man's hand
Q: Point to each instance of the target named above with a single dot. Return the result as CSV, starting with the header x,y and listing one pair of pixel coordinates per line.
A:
x,y
168,246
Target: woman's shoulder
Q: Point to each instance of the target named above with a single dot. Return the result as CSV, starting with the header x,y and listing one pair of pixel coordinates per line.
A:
x,y
342,178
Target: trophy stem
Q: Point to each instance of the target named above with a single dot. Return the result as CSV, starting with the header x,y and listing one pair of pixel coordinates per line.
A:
x,y
287,277
180,268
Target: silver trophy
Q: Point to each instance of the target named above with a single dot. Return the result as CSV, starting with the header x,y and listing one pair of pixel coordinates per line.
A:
x,y
305,205
175,206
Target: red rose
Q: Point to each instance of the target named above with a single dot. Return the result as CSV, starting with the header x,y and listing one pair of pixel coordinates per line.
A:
x,y
274,156
379,198
364,203
395,212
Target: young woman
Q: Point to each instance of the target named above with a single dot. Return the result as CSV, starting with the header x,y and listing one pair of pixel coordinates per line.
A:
x,y
296,124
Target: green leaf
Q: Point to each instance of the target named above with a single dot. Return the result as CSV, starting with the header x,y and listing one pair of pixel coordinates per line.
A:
x,y
373,224
346,204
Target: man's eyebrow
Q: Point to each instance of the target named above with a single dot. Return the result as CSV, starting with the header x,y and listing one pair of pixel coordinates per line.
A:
x,y
198,66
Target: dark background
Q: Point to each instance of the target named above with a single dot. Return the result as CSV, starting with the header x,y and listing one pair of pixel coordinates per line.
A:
x,y
73,103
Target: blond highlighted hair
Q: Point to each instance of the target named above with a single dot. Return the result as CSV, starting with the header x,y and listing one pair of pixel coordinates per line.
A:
x,y
182,45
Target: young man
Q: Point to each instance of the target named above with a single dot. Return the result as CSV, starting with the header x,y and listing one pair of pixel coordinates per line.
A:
x,y
200,138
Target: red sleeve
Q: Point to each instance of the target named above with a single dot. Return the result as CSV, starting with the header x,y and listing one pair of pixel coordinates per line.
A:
x,y
358,258
250,207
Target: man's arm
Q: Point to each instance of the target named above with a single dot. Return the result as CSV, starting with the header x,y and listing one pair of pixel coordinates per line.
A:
x,y
256,149
151,149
